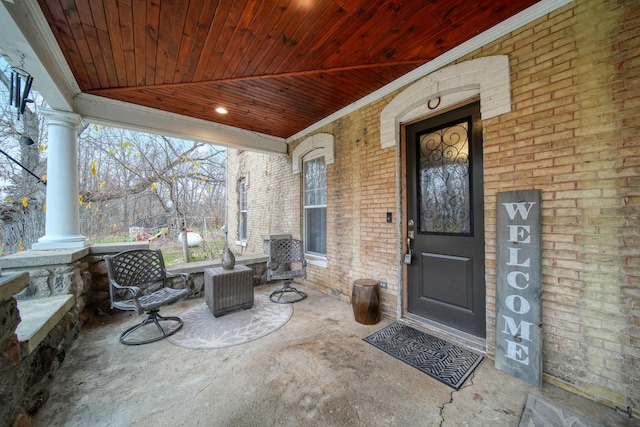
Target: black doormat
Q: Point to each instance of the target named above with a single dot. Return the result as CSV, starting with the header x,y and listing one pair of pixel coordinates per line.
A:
x,y
437,358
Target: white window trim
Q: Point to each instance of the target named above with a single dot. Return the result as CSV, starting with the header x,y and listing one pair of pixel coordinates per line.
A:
x,y
316,260
317,145
243,178
313,258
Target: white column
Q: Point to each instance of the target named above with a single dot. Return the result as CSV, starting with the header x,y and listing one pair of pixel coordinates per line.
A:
x,y
62,226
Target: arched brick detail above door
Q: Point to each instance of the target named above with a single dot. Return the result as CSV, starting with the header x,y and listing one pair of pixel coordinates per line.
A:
x,y
488,77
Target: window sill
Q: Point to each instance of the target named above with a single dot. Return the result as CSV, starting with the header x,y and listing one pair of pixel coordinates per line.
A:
x,y
318,262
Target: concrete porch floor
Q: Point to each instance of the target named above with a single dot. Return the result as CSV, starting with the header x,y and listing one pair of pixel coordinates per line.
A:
x,y
314,371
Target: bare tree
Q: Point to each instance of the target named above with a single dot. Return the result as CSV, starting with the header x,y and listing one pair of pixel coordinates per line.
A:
x,y
147,181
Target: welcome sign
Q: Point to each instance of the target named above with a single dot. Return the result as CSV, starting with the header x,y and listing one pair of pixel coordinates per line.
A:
x,y
519,286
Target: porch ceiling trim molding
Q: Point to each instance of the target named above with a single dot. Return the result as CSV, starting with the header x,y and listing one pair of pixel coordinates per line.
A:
x,y
488,77
319,141
110,112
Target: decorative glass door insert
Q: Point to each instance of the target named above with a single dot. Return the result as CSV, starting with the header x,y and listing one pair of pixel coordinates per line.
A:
x,y
445,196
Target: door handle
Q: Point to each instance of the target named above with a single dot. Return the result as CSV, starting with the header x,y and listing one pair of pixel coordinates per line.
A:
x,y
408,255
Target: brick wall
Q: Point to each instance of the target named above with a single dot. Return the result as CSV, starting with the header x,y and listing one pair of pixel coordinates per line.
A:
x,y
361,190
573,134
273,198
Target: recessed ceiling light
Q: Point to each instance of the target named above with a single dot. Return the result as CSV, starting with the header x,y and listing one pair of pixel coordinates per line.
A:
x,y
221,110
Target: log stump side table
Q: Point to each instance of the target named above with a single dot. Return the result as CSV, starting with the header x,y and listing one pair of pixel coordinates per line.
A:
x,y
365,301
228,290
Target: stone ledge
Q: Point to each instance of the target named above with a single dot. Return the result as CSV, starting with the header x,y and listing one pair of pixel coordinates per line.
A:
x,y
33,258
38,258
114,248
39,316
11,283
199,266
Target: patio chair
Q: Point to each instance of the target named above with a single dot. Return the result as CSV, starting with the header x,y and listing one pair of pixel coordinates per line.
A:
x,y
138,281
286,262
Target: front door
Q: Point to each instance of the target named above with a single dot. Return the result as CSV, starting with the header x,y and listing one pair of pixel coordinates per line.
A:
x,y
445,220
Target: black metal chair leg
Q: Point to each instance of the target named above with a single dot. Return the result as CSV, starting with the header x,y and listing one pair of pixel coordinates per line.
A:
x,y
284,289
153,317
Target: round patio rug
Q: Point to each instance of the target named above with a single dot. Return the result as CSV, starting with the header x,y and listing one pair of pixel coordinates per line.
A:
x,y
203,331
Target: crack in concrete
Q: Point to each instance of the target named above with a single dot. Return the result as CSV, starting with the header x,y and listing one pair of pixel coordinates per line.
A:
x,y
442,408
468,383
203,389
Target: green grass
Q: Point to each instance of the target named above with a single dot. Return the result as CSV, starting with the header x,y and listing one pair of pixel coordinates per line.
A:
x,y
172,258
110,239
171,248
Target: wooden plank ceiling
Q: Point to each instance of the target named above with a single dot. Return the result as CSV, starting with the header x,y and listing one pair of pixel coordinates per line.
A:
x,y
277,66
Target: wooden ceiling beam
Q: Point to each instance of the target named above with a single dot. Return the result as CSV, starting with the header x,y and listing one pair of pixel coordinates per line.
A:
x,y
413,63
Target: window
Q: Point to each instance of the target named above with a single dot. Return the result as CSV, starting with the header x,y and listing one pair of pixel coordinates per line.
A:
x,y
315,206
242,209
